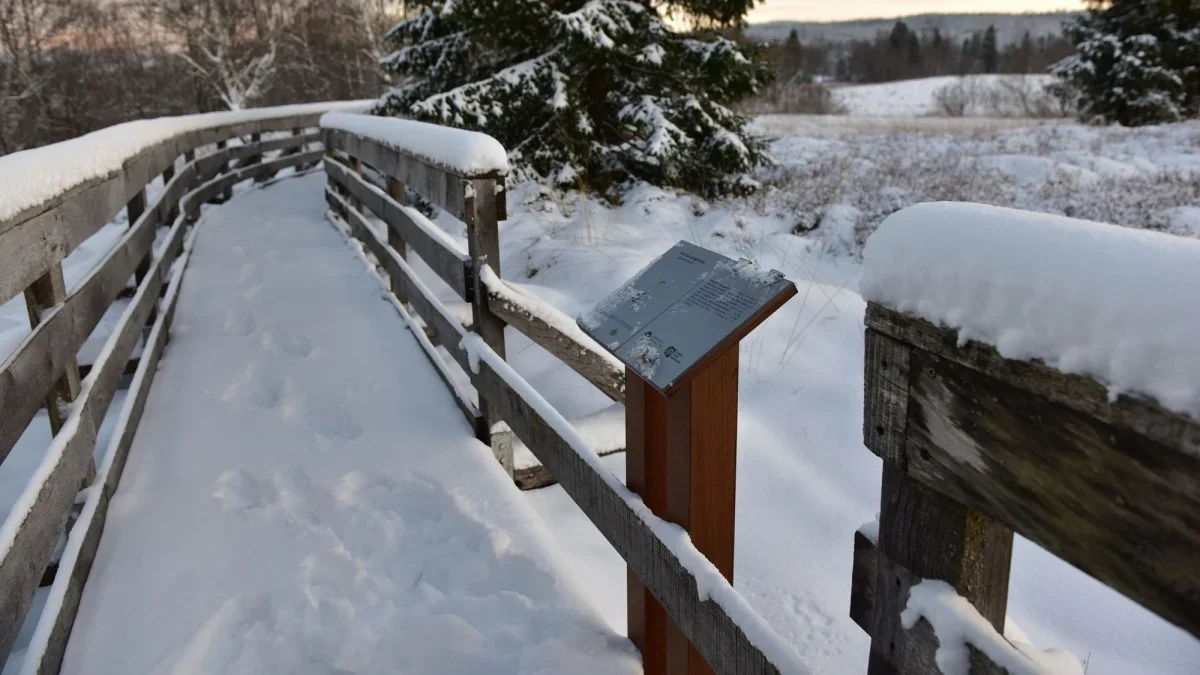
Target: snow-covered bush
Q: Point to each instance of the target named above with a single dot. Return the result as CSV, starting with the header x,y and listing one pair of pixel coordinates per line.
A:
x,y
1138,61
838,189
585,92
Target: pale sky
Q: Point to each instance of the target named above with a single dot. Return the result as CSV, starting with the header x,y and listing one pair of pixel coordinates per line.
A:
x,y
824,10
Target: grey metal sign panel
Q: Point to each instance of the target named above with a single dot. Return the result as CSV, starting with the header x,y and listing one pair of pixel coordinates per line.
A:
x,y
679,309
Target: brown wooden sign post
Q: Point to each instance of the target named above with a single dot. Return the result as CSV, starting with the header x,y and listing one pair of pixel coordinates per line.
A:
x,y
677,326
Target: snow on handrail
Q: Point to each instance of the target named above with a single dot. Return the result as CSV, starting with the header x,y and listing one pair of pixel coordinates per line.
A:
x,y
1111,303
469,154
37,176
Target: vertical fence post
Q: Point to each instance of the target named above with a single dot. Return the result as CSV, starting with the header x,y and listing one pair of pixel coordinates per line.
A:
x,y
923,534
356,167
397,192
134,210
483,208
168,175
49,290
681,457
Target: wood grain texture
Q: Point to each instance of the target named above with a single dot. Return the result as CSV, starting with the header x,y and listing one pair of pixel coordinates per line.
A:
x,y
399,194
443,188
33,368
483,245
1122,507
878,594
445,332
687,452
717,637
592,366
1078,393
46,293
934,537
452,267
90,530
885,401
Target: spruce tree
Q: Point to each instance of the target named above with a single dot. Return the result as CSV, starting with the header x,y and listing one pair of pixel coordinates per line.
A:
x,y
1137,61
586,92
990,57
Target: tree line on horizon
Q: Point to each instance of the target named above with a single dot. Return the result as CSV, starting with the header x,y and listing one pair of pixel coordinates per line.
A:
x,y
589,93
904,54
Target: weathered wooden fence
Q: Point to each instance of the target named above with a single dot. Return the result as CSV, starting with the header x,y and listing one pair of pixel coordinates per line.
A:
x,y
478,201
70,494
975,447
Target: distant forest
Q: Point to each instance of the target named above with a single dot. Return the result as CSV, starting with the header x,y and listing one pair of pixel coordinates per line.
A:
x,y
904,53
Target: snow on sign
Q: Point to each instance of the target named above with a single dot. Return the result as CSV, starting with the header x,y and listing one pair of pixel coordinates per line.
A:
x,y
680,309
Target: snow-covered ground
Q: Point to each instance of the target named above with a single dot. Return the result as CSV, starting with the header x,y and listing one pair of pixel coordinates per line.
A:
x,y
805,481
917,98
303,496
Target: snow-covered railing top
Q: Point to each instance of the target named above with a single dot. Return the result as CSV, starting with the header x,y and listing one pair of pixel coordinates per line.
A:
x,y
1002,349
57,196
466,154
37,177
1116,304
42,371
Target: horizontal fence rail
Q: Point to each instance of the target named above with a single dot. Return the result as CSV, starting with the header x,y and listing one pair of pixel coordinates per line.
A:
x,y
42,370
976,447
502,397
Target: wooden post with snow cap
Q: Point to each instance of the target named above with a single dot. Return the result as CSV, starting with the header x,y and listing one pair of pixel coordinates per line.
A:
x,y
677,326
483,204
977,446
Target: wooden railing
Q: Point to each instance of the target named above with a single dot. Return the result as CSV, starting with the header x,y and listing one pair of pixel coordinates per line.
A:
x,y
975,447
42,371
669,572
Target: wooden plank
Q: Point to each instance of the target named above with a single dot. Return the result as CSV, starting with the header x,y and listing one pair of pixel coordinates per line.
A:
x,y
1122,507
399,194
934,537
29,373
426,307
682,461
878,584
37,237
885,402
720,641
1079,393
41,359
445,189
43,295
591,365
483,245
31,540
538,477
87,531
453,267
208,167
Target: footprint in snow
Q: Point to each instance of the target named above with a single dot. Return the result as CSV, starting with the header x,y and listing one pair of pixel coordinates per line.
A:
x,y
239,321
286,343
259,385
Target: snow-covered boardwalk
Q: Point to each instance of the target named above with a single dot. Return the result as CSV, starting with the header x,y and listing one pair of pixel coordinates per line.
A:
x,y
303,495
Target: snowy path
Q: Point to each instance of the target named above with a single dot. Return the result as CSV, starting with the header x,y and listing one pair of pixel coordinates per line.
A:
x,y
303,496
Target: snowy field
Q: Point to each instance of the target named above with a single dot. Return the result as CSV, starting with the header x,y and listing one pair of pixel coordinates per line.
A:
x,y
917,98
805,481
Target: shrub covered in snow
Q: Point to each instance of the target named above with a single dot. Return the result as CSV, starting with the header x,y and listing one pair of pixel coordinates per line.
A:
x,y
591,92
839,185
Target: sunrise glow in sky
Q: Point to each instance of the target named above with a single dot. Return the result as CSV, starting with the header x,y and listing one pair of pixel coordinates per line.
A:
x,y
824,10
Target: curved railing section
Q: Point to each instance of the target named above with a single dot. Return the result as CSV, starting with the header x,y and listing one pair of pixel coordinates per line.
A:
x,y
56,198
